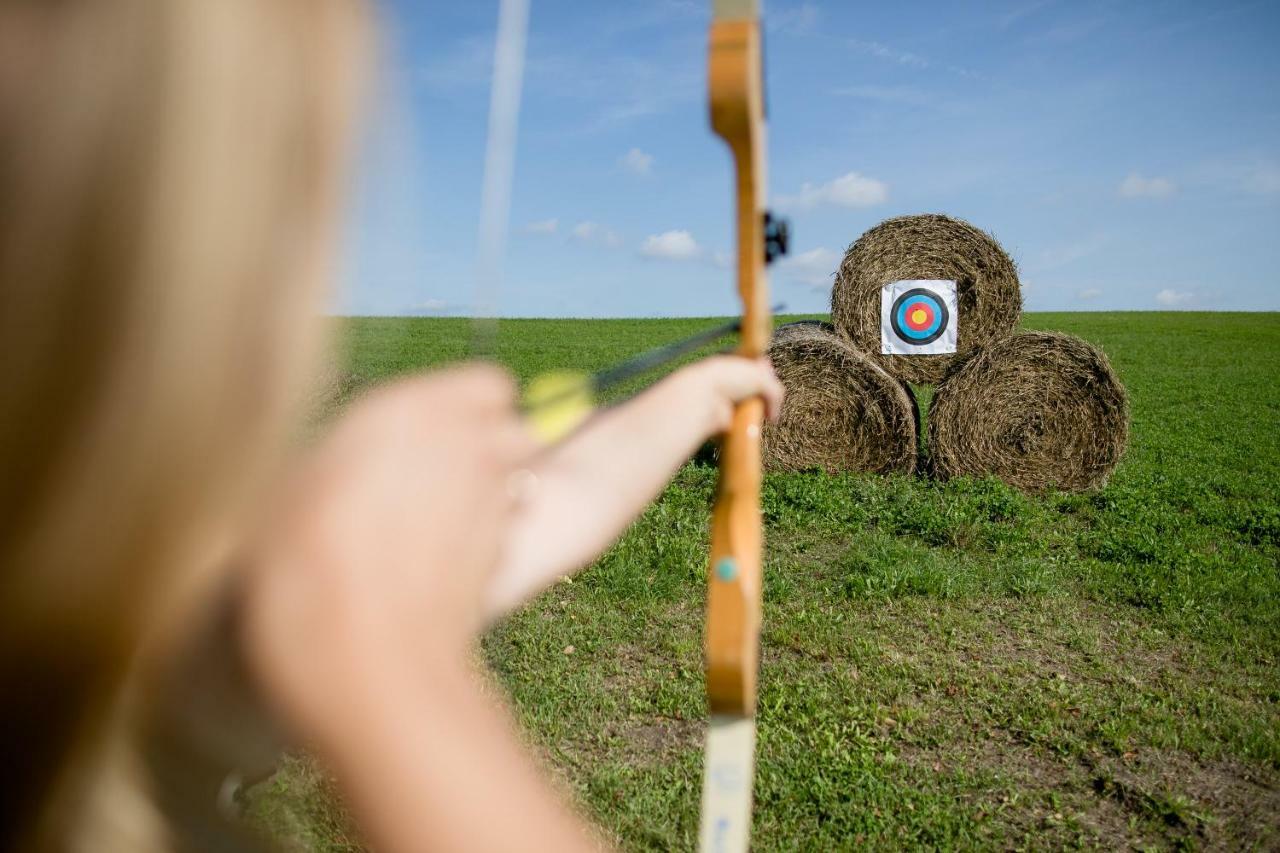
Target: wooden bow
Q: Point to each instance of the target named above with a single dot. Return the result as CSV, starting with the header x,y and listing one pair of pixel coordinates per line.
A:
x,y
734,577
733,598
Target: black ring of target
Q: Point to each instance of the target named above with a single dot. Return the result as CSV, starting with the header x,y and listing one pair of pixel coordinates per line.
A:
x,y
935,299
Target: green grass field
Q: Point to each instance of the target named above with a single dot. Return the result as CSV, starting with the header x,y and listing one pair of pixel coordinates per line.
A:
x,y
951,665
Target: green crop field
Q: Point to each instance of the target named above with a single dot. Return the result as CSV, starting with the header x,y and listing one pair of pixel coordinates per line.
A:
x,y
951,665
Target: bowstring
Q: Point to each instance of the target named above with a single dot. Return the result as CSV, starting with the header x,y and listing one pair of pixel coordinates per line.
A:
x,y
499,170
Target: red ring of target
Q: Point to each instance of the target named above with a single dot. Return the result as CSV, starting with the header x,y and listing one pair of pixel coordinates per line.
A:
x,y
919,317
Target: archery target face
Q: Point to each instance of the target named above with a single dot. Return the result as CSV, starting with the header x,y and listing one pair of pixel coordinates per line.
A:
x,y
918,317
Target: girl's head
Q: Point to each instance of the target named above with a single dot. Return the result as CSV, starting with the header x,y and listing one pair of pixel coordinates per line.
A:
x,y
169,172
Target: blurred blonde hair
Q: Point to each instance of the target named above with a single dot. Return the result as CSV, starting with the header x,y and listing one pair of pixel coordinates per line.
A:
x,y
169,172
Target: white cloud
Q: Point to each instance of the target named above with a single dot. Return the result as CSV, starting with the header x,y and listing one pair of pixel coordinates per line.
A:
x,y
636,162
585,231
1173,298
1137,186
1089,293
883,51
544,226
1017,13
430,306
813,268
672,246
594,232
721,260
908,59
796,21
848,190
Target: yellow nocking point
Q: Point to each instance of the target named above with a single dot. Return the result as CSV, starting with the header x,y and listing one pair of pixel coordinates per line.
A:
x,y
557,403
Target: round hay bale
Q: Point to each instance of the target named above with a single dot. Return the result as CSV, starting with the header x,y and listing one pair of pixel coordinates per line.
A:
x,y
929,246
841,413
1038,410
801,326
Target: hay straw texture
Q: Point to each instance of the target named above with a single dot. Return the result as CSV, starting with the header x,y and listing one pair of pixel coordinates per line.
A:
x,y
929,246
1039,410
842,413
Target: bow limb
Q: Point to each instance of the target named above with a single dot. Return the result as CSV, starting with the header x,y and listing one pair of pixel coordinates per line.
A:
x,y
734,572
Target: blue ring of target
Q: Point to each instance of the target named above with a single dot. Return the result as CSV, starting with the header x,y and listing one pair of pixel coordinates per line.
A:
x,y
910,299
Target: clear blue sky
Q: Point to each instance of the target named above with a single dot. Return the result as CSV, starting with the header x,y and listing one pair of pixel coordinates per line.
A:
x,y
1127,155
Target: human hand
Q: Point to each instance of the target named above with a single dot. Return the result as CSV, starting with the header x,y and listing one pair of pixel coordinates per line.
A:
x,y
725,380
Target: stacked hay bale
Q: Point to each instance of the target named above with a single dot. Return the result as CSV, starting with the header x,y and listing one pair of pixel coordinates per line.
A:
x,y
930,246
842,412
1038,410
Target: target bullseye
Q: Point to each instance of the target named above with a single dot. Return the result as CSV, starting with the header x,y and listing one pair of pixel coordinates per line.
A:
x,y
918,317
